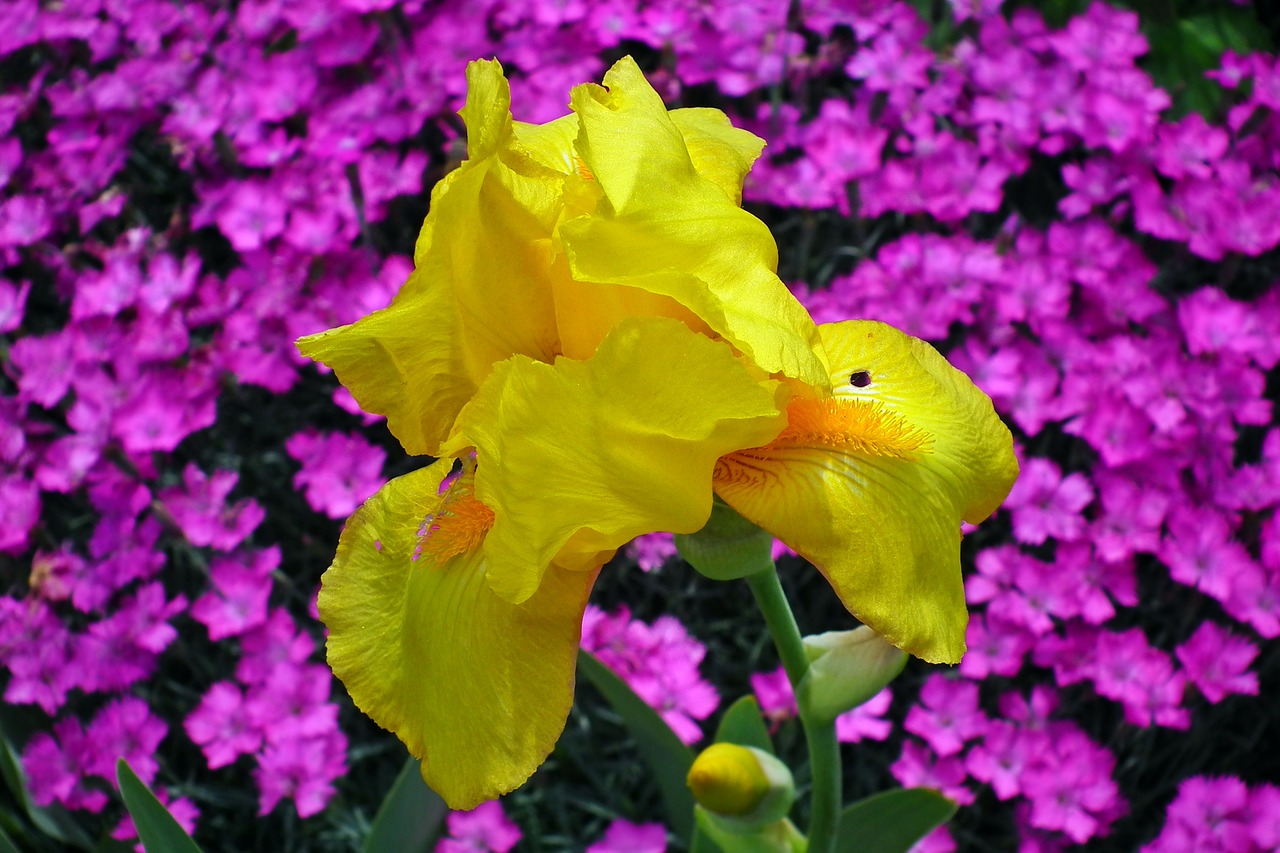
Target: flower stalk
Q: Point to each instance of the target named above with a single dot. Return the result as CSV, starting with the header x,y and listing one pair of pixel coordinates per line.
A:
x,y
820,734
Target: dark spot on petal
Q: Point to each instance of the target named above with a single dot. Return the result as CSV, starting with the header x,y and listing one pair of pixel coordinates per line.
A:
x,y
860,379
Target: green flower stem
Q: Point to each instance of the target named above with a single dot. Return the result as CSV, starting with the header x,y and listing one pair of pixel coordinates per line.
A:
x,y
824,751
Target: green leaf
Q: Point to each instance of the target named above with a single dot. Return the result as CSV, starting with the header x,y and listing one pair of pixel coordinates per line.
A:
x,y
1184,48
893,821
6,843
743,725
157,829
667,756
702,842
410,816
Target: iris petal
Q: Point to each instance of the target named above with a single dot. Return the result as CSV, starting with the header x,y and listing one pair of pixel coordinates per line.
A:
x,y
476,687
871,485
481,288
580,457
670,230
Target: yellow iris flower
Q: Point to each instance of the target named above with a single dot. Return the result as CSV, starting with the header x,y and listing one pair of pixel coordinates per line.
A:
x,y
595,328
549,235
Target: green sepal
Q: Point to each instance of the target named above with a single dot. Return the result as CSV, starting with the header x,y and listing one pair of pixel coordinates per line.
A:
x,y
410,817
779,837
728,547
158,830
667,756
893,821
742,724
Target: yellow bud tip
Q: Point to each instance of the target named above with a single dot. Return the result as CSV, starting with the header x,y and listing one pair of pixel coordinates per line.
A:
x,y
726,779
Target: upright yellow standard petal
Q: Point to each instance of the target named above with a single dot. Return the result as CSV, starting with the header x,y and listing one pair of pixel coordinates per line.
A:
x,y
476,687
481,287
870,485
670,229
720,152
579,457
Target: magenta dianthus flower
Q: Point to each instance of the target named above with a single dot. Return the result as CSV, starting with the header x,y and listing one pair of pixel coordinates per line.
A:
x,y
623,836
339,472
1217,662
484,829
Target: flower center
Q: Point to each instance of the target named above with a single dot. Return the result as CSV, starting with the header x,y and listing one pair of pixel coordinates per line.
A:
x,y
865,427
457,527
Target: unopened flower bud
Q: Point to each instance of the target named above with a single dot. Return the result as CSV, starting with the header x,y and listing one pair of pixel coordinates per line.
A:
x,y
846,668
746,787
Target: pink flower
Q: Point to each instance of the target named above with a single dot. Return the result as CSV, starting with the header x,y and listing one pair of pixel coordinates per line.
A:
x,y
1045,504
199,507
622,836
45,366
19,512
238,599
1209,813
122,648
1217,662
277,643
1128,670
126,728
996,647
339,472
1214,323
866,722
1071,789
293,703
1200,551
918,767
1131,517
652,550
947,715
223,726
1002,756
251,214
13,302
300,769
24,219
1264,806
57,767
775,696
1255,599
161,408
484,829
37,649
659,662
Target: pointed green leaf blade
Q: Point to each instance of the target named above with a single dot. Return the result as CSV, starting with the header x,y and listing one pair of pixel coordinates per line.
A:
x,y
667,756
743,725
893,821
157,829
6,843
410,816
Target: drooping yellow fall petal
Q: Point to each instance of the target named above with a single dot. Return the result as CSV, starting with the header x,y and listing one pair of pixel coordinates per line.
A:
x,y
579,457
871,485
476,687
480,290
666,228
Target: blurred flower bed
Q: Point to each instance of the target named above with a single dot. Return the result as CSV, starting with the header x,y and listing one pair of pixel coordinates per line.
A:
x,y
188,187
